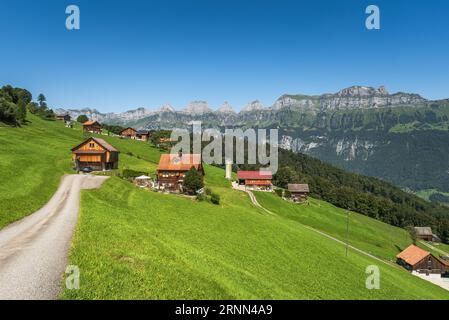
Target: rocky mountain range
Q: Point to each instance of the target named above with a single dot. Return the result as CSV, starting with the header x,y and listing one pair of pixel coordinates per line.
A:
x,y
363,129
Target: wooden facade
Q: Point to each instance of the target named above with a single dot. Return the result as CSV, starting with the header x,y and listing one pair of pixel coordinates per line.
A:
x,y
92,127
172,169
64,117
129,133
143,135
95,153
255,179
424,233
300,192
416,259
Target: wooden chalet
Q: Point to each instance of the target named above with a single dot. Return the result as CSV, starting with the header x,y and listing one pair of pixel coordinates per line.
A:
x,y
173,167
300,192
96,154
129,133
425,233
92,126
143,135
416,259
64,117
255,179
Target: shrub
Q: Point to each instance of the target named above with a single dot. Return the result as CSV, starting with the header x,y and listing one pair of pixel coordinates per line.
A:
x,y
287,194
193,181
128,173
208,191
215,198
201,197
279,192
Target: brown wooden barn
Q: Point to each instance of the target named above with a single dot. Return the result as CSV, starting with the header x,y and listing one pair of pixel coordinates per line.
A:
x,y
143,135
255,179
64,117
95,153
172,169
128,133
300,192
416,259
425,233
92,126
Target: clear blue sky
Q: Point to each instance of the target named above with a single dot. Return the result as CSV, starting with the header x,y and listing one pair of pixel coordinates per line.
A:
x,y
131,54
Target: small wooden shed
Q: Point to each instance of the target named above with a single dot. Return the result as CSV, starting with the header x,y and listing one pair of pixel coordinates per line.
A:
x,y
300,191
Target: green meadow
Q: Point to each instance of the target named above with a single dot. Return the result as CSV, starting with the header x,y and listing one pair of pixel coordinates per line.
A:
x,y
373,236
138,244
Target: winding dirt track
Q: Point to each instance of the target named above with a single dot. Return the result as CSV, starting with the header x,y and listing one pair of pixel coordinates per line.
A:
x,y
33,251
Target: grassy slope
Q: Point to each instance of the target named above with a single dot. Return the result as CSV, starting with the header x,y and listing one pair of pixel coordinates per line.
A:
x,y
373,236
132,243
33,159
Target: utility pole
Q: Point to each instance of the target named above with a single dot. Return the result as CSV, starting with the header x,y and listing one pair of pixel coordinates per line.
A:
x,y
347,232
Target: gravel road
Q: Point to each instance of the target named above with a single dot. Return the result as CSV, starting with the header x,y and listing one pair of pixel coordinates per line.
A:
x,y
33,251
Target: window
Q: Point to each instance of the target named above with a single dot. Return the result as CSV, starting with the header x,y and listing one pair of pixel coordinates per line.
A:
x,y
91,145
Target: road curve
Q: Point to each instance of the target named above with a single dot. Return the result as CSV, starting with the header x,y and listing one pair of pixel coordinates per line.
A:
x,y
33,251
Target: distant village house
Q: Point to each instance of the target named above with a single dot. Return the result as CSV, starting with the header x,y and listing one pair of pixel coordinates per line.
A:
x,y
255,179
300,192
426,234
95,153
92,126
64,117
131,133
416,259
173,167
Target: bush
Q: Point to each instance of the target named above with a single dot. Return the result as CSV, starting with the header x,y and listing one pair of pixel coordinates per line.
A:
x,y
201,197
128,173
215,198
193,181
287,194
279,192
208,191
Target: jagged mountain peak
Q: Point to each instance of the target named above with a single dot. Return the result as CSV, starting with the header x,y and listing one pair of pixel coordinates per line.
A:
x,y
226,108
253,106
166,108
197,107
363,91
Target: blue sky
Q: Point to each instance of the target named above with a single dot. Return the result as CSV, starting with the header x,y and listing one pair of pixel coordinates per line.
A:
x,y
131,54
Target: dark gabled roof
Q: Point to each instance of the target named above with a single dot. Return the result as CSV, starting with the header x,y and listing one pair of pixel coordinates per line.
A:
x,y
127,129
100,141
143,132
254,175
298,187
424,231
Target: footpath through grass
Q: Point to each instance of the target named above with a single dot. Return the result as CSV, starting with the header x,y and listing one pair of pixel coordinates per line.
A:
x,y
373,236
33,159
136,244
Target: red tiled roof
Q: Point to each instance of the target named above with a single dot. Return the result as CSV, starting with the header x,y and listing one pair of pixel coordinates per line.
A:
x,y
255,175
173,162
412,255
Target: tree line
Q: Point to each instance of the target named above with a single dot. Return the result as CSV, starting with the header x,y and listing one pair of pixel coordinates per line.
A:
x,y
16,102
